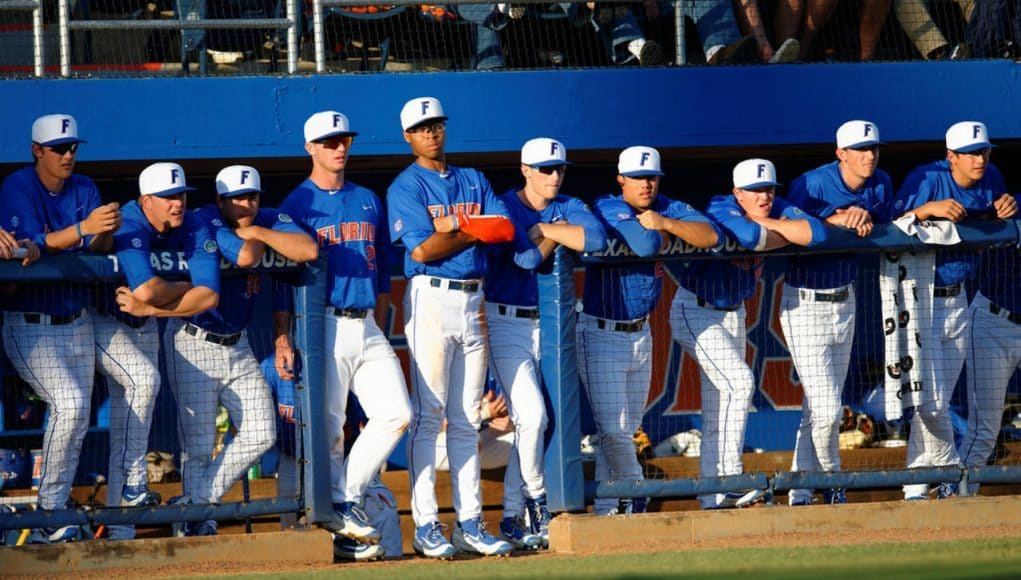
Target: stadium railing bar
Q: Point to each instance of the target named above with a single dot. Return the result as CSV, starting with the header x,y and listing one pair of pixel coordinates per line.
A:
x,y
885,237
309,307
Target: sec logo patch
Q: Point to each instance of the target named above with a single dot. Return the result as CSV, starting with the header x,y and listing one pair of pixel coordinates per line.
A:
x,y
285,218
398,225
15,221
210,246
136,243
217,223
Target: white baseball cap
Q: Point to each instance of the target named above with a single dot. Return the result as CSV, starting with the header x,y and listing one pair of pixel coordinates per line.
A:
x,y
57,129
326,124
544,152
755,173
638,161
968,136
162,179
237,180
419,110
857,134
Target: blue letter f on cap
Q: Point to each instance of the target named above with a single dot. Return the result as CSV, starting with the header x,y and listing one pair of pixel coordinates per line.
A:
x,y
762,169
244,175
425,107
645,157
173,176
65,124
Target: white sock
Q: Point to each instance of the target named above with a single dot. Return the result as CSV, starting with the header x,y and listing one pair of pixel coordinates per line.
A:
x,y
712,51
635,46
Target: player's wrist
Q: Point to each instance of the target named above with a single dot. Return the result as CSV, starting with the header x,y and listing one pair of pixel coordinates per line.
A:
x,y
80,230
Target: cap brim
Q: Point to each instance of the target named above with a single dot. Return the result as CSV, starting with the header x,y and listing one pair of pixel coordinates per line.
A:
x,y
863,144
238,192
334,134
62,141
424,121
759,184
973,147
550,163
643,173
172,191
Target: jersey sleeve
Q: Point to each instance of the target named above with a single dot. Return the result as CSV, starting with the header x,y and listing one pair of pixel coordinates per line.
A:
x,y
131,244
290,216
884,191
620,221
203,257
579,214
793,212
683,211
807,194
914,192
410,221
21,214
733,221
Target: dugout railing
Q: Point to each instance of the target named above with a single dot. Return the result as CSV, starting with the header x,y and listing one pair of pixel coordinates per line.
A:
x,y
884,238
313,497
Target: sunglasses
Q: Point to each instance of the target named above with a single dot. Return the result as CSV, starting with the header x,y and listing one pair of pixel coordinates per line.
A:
x,y
64,148
551,169
335,142
434,128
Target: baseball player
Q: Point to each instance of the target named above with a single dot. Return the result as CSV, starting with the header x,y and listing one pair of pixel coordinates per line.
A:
x,y
707,316
438,212
210,361
818,304
512,300
965,184
614,341
48,335
347,220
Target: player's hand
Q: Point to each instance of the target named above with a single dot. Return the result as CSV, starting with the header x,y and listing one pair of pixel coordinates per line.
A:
x,y
32,251
284,359
857,219
651,220
445,224
950,209
497,405
129,304
535,234
8,245
105,218
1006,206
249,232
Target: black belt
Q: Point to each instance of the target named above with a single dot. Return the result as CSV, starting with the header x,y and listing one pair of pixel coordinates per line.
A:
x,y
220,339
705,304
350,313
947,291
519,312
454,284
633,326
37,318
998,310
134,323
838,296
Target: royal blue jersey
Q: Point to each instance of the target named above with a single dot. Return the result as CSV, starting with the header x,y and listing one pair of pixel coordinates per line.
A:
x,y
820,193
143,253
29,210
286,403
630,291
727,283
933,182
509,280
238,291
418,195
999,277
349,225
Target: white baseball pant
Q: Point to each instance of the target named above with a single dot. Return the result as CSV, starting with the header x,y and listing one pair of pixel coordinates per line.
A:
x,y
447,338
819,334
932,433
495,449
514,360
717,340
616,367
129,358
993,354
364,363
58,362
202,374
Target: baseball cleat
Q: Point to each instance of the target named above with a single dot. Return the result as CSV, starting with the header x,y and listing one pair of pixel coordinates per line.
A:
x,y
801,501
352,523
471,536
139,496
538,518
834,496
60,534
635,505
512,530
347,549
947,490
430,542
206,528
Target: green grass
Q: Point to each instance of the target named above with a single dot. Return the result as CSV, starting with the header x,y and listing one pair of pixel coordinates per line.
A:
x,y
992,558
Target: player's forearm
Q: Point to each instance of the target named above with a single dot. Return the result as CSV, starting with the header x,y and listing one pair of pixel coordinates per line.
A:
x,y
773,241
61,240
698,234
567,235
251,253
292,245
798,232
101,243
382,310
440,245
194,301
159,292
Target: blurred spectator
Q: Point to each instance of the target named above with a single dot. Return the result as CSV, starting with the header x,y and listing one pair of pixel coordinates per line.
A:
x,y
807,18
786,23
487,20
993,29
916,20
